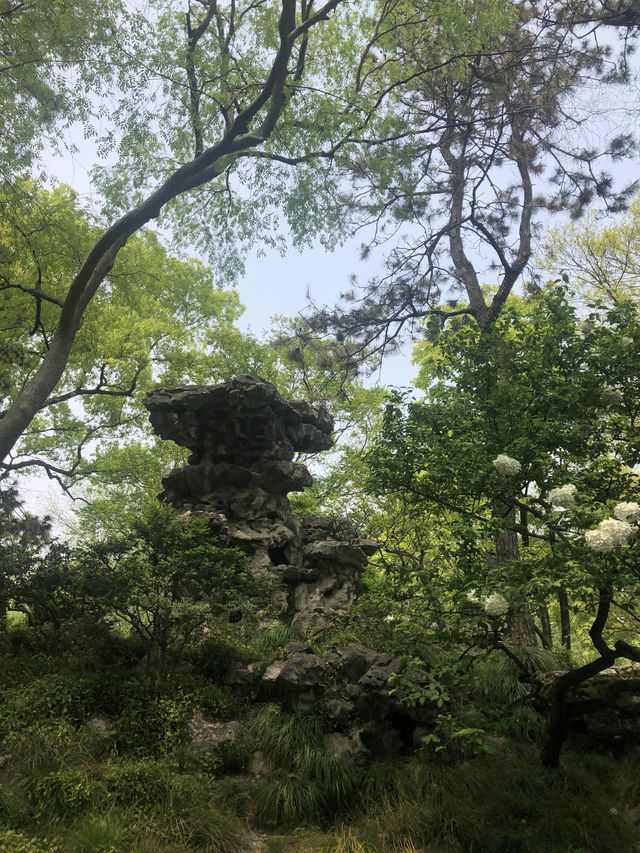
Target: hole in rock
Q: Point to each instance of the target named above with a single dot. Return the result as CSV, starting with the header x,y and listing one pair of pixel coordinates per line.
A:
x,y
278,556
405,726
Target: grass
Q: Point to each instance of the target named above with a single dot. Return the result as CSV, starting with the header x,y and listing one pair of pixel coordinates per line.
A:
x,y
504,803
66,789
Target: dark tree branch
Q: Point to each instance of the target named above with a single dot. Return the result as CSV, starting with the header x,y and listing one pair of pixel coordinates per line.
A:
x,y
101,389
31,291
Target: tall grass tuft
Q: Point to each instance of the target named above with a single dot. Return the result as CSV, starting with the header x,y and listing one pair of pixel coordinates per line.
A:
x,y
498,678
283,737
308,784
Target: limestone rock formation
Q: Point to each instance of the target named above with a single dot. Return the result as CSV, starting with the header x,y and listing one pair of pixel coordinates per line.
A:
x,y
243,437
352,687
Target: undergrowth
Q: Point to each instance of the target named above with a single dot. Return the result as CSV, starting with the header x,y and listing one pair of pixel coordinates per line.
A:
x,y
66,787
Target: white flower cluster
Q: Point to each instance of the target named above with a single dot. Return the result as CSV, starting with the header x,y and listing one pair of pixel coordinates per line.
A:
x,y
563,495
608,534
494,605
627,511
506,465
626,342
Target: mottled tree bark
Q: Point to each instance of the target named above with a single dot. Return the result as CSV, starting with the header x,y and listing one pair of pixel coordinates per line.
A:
x,y
522,629
555,730
565,620
545,633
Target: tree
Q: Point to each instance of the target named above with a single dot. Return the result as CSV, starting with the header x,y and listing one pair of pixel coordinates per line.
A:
x,y
46,82
157,319
22,537
464,157
602,258
166,581
245,63
547,457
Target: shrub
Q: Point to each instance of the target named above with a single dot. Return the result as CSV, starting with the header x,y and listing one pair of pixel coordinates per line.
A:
x,y
62,794
48,745
167,581
51,696
152,723
139,784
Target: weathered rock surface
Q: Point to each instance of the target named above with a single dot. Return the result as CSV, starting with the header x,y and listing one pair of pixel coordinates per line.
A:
x,y
350,687
604,712
243,437
207,734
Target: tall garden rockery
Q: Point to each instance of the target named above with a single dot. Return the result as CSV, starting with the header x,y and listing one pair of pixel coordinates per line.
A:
x,y
243,437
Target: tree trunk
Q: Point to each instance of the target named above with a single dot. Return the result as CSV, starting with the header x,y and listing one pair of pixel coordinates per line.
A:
x,y
522,630
555,730
565,620
545,633
556,725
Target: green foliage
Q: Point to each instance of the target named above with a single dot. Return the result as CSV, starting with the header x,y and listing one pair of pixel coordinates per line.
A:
x,y
62,793
65,786
307,784
46,82
165,583
51,696
153,724
139,783
159,319
102,831
284,738
602,258
499,803
498,678
48,745
286,799
534,387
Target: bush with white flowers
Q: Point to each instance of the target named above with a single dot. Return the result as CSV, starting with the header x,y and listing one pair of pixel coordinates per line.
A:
x,y
506,466
608,534
495,605
612,395
627,511
563,495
